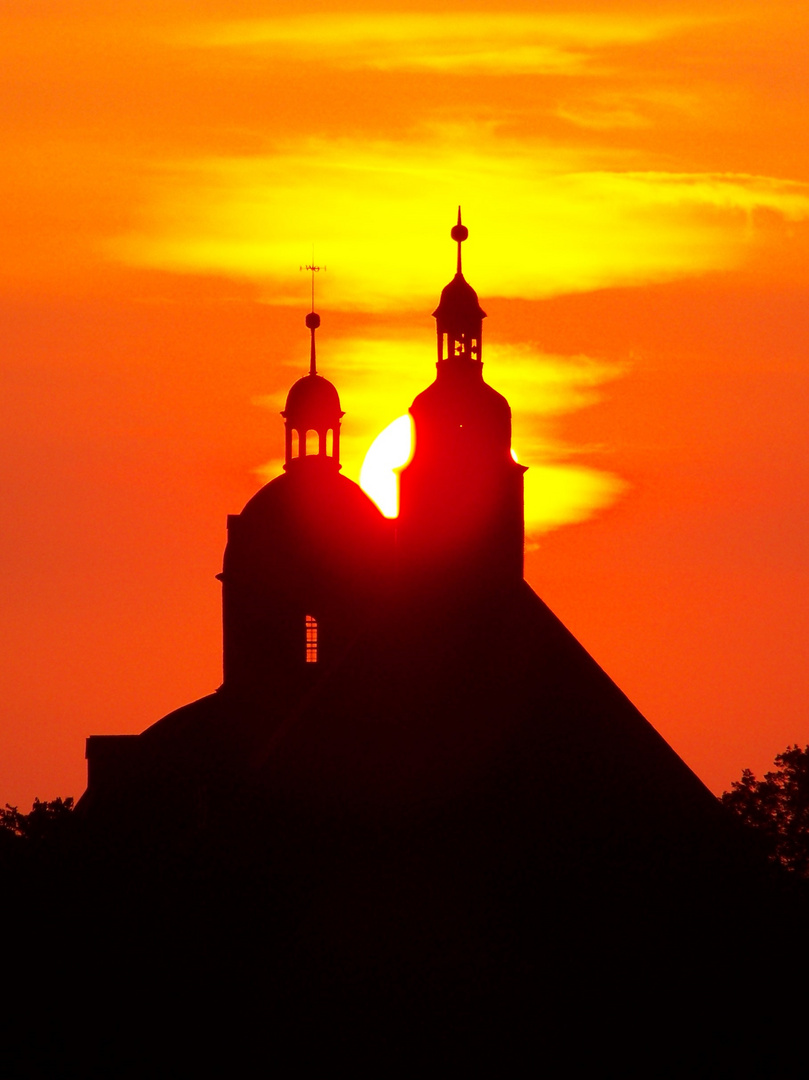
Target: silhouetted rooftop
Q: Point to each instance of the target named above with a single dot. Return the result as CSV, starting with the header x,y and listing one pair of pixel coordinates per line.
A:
x,y
313,399
459,306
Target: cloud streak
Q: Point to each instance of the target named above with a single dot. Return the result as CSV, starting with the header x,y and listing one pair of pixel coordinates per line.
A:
x,y
478,43
547,225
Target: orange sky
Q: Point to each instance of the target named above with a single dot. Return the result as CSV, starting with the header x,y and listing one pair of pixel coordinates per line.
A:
x,y
636,183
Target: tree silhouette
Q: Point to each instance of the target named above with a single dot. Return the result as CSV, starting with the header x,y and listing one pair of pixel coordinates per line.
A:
x,y
777,808
46,822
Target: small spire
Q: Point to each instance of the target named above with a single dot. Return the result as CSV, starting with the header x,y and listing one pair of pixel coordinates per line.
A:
x,y
459,234
313,319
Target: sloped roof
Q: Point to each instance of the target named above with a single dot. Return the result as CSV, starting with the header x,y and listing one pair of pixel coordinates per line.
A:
x,y
497,708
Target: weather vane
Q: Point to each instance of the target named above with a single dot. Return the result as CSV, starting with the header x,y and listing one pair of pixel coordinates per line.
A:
x,y
314,270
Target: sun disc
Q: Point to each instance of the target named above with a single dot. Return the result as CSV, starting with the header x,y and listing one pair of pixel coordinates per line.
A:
x,y
390,450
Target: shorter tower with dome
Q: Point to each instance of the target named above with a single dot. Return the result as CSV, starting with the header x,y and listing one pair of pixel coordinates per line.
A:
x,y
305,565
305,559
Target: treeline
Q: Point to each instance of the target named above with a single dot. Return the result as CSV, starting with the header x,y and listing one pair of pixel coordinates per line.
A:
x,y
775,808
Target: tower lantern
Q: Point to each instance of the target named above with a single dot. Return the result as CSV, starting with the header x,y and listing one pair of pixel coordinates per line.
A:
x,y
459,317
312,414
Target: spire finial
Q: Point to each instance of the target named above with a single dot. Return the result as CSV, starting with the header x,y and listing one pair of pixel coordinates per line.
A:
x,y
459,234
313,319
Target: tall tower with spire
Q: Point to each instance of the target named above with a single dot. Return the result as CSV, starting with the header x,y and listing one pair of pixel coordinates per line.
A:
x,y
461,496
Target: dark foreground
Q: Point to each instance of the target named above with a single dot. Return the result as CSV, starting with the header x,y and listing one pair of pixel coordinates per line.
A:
x,y
390,948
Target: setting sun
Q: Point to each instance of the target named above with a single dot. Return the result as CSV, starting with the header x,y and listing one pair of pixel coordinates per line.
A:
x,y
390,450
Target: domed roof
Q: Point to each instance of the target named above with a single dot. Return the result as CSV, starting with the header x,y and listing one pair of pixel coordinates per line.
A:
x,y
459,308
285,497
315,520
314,400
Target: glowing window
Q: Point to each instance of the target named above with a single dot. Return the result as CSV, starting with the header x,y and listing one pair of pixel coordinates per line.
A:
x,y
311,639
311,443
330,442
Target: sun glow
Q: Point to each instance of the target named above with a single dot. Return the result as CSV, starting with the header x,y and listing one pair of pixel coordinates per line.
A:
x,y
556,493
390,450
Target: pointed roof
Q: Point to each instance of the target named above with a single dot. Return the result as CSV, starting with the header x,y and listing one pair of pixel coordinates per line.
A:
x,y
459,310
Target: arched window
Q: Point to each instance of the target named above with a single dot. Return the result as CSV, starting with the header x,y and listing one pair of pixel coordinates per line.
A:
x,y
312,444
295,443
330,442
311,639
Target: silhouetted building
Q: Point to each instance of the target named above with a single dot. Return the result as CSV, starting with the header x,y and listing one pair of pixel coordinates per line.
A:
x,y
407,660
448,807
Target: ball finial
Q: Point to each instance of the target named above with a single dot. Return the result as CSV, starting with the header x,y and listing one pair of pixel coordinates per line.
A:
x,y
459,231
459,234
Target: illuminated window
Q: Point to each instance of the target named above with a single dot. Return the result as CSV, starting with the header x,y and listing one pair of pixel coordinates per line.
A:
x,y
311,443
311,639
330,442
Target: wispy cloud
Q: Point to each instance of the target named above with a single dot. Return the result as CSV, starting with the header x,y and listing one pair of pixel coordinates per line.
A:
x,y
545,221
638,107
476,43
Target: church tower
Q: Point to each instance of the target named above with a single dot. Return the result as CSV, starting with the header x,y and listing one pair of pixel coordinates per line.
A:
x,y
461,496
304,558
